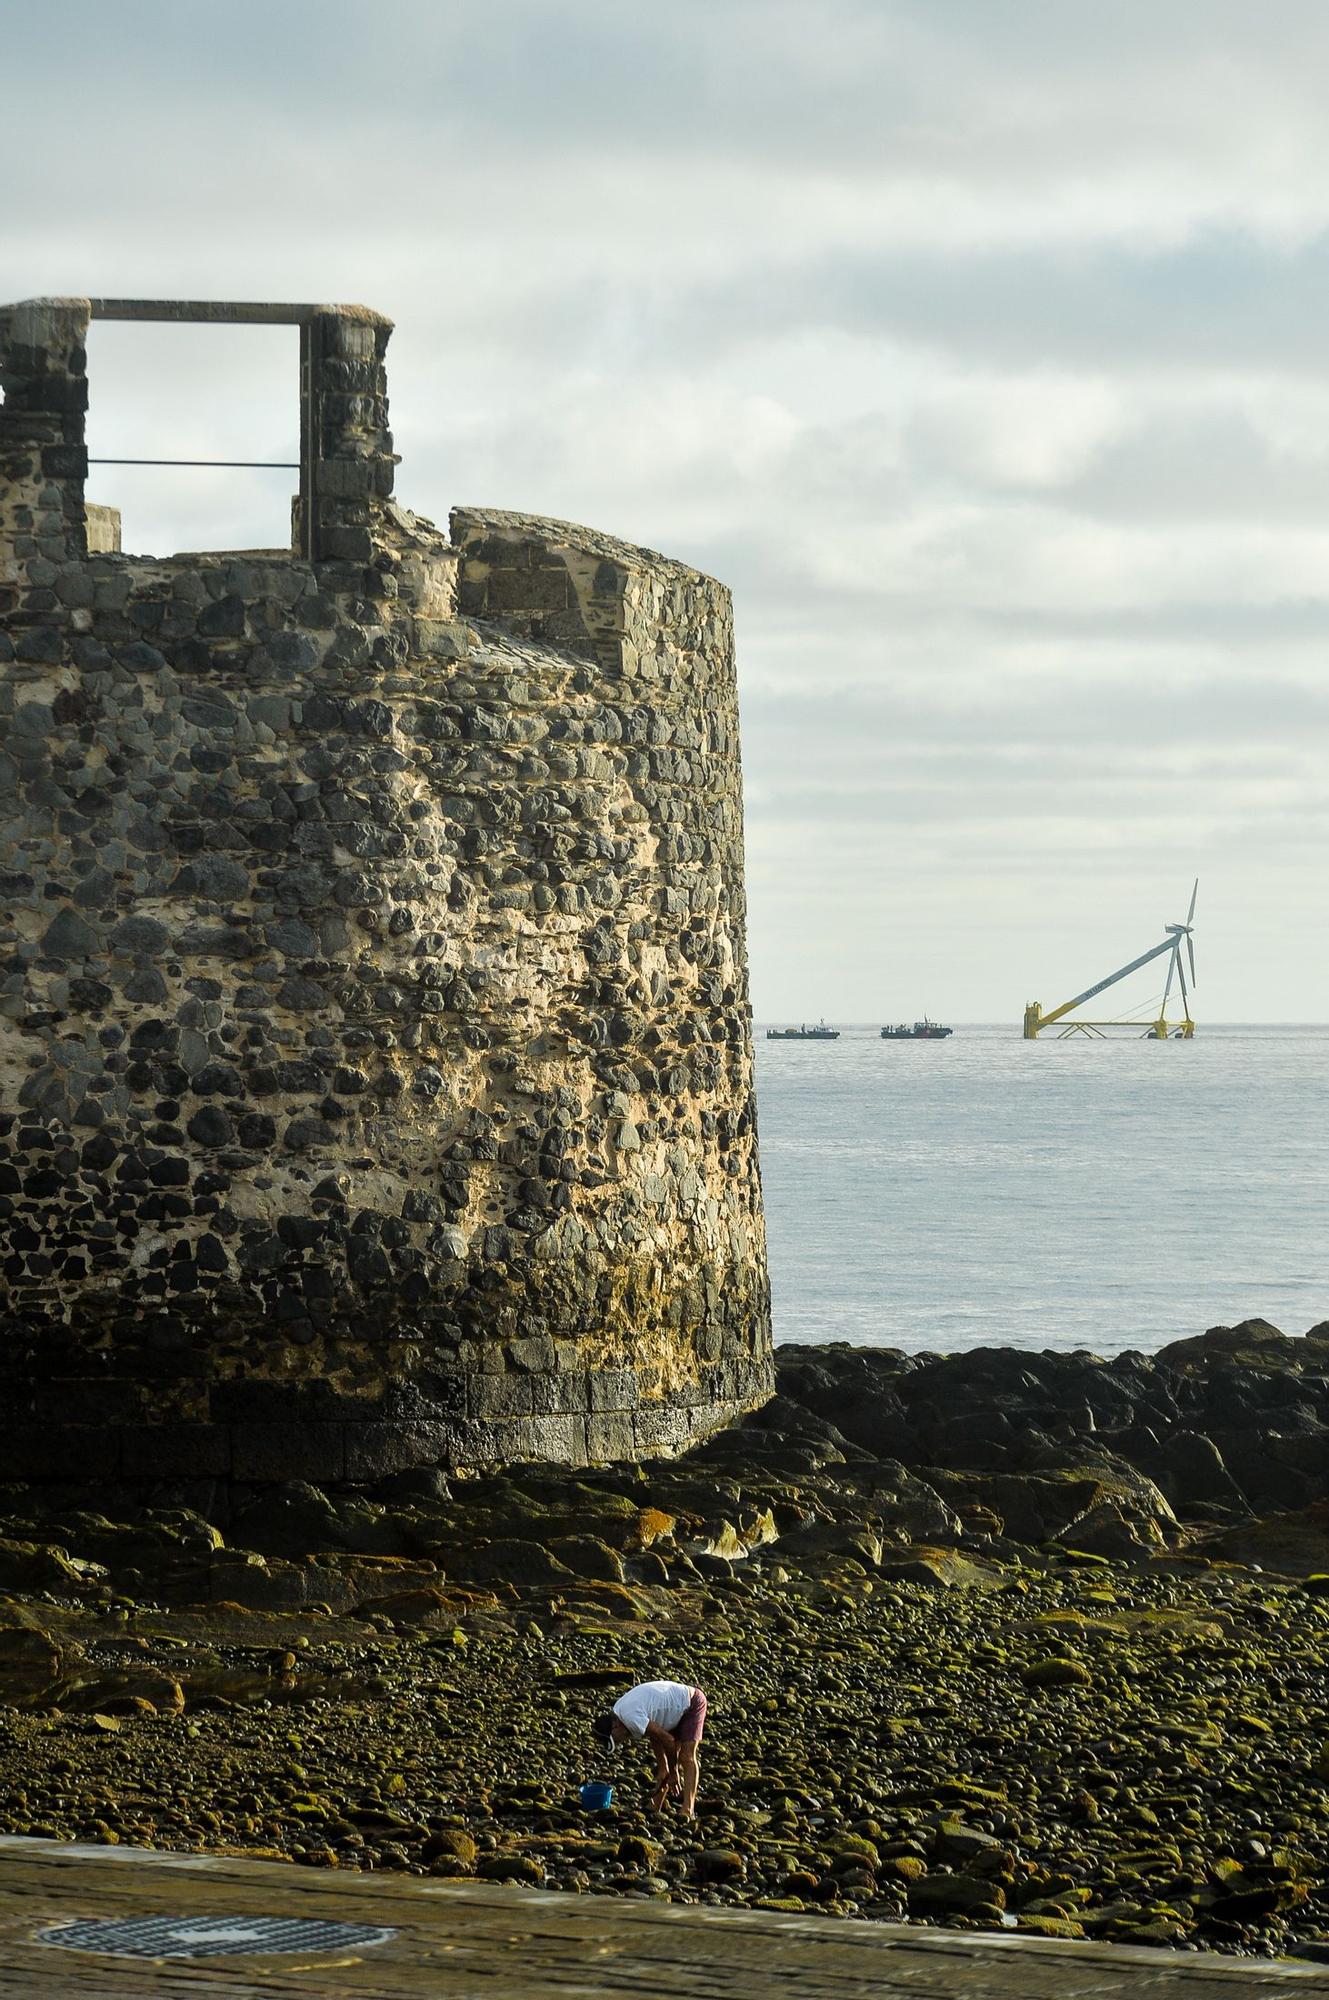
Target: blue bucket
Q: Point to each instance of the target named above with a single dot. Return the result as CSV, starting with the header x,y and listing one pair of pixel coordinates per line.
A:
x,y
595,1796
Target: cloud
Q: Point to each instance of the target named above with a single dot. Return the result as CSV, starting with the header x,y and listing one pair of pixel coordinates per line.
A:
x,y
975,343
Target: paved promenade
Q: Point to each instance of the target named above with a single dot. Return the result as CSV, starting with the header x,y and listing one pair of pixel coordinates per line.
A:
x,y
208,1925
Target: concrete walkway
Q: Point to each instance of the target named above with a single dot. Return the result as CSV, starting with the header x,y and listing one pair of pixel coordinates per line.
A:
x,y
460,1941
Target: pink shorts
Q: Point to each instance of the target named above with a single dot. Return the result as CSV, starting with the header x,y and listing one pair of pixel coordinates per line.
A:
x,y
692,1722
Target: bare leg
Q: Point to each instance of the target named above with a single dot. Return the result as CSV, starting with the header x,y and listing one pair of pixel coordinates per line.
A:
x,y
689,1771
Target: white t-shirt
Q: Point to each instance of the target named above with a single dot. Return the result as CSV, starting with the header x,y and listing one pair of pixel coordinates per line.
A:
x,y
662,1702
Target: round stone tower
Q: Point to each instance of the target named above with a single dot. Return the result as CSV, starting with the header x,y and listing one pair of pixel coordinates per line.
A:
x,y
375,1051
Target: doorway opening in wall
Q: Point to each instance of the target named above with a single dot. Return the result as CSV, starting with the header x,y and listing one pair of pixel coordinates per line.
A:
x,y
228,395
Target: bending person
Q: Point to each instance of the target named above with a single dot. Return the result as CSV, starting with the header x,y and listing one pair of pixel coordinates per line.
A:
x,y
671,1718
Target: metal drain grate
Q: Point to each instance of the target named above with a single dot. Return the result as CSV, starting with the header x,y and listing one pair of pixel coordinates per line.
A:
x,y
209,1937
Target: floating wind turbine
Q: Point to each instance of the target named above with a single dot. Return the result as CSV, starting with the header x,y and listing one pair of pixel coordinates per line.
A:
x,y
1035,1020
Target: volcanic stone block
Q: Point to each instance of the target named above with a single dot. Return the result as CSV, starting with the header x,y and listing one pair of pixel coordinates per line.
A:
x,y
310,1451
176,1451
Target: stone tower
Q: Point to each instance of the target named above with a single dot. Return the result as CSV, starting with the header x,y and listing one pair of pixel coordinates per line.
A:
x,y
375,1052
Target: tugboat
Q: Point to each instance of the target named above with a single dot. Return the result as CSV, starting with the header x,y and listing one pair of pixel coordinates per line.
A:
x,y
821,1033
922,1031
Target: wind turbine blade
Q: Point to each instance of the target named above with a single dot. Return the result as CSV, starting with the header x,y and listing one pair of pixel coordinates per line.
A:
x,y
1172,964
1190,914
1190,953
1185,996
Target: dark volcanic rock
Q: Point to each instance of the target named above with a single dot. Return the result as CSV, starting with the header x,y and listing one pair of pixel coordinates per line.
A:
x,y
1109,1453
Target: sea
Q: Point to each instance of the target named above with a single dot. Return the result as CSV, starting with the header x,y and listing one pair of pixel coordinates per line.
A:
x,y
1050,1194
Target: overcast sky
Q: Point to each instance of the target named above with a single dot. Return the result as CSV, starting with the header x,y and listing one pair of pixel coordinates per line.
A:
x,y
981,346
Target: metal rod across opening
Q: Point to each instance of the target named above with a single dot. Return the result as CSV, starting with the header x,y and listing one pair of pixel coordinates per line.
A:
x,y
263,464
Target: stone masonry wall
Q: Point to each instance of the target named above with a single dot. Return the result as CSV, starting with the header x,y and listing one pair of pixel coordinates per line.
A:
x,y
375,1055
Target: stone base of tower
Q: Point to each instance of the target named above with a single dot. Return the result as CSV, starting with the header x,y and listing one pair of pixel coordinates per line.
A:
x,y
261,1434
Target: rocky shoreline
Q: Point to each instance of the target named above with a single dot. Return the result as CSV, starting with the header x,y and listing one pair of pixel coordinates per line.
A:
x,y
1004,1638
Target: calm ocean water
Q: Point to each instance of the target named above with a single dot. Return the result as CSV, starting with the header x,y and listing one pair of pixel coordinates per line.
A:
x,y
1068,1194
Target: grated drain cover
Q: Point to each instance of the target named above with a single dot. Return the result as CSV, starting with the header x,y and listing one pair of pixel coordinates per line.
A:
x,y
209,1937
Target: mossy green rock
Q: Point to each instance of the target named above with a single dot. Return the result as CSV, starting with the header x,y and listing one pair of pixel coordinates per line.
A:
x,y
642,1853
852,1847
588,1557
720,1864
960,1895
452,1844
509,1868
904,1868
1057,1673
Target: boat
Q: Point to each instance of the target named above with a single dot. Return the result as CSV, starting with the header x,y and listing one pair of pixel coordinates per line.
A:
x,y
922,1031
821,1033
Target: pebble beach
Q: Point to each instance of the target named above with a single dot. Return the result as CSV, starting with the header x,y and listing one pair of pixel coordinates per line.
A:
x,y
914,1713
